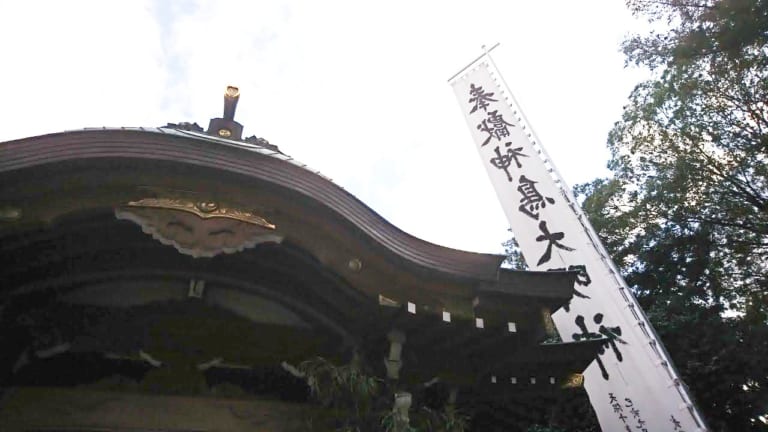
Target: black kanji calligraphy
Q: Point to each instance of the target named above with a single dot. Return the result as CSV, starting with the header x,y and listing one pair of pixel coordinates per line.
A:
x,y
552,239
480,98
579,278
676,423
504,161
495,126
587,335
582,278
613,334
532,200
610,335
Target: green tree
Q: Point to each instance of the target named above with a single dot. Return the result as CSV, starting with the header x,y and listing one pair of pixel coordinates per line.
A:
x,y
692,145
686,213
671,270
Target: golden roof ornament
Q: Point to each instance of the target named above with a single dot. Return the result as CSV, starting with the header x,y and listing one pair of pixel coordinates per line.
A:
x,y
226,126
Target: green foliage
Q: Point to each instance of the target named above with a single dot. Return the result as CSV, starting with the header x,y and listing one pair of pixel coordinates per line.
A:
x,y
690,155
731,30
346,390
390,423
686,214
684,288
337,386
449,419
538,428
358,402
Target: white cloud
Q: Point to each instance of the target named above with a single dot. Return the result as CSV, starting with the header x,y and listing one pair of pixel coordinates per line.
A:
x,y
70,65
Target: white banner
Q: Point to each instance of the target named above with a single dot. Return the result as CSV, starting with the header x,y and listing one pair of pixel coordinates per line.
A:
x,y
631,383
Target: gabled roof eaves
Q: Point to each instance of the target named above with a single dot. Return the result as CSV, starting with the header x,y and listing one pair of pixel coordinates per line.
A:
x,y
239,144
128,142
223,141
543,284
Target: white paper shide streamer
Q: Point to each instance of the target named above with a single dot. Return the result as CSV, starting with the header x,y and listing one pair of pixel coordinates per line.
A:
x,y
631,384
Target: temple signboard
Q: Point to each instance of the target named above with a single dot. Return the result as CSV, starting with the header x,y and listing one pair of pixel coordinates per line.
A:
x,y
632,384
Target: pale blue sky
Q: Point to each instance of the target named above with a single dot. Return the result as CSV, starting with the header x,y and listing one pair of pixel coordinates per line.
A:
x,y
355,89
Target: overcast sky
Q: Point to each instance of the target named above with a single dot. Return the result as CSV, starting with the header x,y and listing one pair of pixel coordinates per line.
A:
x,y
358,90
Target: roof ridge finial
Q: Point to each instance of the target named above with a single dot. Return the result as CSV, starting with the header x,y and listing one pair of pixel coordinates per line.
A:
x,y
231,96
227,127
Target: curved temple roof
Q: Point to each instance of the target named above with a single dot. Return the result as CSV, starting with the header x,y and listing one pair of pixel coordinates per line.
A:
x,y
243,158
256,174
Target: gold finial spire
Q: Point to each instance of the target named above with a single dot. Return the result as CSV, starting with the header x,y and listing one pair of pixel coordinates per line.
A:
x,y
226,126
231,96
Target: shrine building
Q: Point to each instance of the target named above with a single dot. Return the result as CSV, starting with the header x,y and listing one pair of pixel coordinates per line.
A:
x,y
177,278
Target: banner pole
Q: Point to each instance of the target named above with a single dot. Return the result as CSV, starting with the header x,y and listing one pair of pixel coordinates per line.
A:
x,y
486,51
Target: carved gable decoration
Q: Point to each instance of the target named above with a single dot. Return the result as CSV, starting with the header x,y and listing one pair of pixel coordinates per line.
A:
x,y
198,229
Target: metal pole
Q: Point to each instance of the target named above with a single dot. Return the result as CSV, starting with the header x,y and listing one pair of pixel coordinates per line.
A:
x,y
486,51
